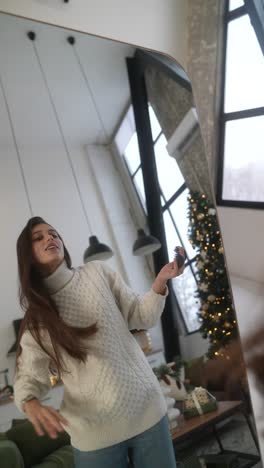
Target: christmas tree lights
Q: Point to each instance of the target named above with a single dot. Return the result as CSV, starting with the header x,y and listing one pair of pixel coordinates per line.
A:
x,y
216,314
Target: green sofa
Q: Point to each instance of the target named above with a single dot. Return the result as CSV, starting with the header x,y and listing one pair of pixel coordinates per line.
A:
x,y
21,447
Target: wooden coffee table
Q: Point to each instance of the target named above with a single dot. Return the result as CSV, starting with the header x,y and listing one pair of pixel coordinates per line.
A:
x,y
198,427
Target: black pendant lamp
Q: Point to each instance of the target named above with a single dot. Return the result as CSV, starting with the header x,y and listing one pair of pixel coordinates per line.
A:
x,y
145,244
96,251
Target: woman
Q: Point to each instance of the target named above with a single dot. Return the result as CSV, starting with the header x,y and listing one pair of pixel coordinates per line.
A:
x,y
78,321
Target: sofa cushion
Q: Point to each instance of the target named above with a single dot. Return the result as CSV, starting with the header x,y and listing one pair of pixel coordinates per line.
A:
x,y
10,456
61,458
195,372
33,447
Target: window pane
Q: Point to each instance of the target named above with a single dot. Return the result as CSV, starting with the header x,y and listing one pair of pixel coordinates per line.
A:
x,y
125,131
233,4
244,67
155,126
179,211
185,288
171,235
244,160
139,184
131,154
169,174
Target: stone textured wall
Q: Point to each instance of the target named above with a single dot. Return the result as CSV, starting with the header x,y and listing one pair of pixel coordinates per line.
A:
x,y
171,102
205,23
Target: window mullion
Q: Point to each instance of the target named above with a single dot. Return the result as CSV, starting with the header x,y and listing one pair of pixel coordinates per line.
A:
x,y
237,13
136,171
157,138
243,114
174,197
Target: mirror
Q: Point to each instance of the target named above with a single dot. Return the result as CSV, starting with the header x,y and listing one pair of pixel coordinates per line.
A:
x,y
69,153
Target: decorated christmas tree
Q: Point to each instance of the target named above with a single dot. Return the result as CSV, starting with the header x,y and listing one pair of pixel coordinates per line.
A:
x,y
216,314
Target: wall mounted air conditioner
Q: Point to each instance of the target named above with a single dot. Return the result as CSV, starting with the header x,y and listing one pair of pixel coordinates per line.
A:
x,y
184,135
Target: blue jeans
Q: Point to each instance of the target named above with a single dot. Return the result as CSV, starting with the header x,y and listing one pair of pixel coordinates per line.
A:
x,y
151,449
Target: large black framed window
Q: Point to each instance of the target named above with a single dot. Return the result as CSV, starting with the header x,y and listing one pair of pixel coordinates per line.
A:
x,y
174,200
241,148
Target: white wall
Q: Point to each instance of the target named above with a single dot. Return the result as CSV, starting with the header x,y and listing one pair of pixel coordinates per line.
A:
x,y
193,346
153,24
242,231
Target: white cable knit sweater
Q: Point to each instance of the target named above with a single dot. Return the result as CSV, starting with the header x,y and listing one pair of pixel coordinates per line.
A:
x,y
114,395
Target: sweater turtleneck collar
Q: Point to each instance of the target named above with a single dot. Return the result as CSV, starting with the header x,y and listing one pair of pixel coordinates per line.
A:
x,y
58,279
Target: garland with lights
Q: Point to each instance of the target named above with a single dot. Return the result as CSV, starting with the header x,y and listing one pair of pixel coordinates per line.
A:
x,y
216,313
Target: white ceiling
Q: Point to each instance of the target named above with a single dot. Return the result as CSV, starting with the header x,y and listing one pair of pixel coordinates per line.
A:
x,y
89,108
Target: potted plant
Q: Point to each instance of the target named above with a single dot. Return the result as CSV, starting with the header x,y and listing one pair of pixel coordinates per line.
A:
x,y
172,376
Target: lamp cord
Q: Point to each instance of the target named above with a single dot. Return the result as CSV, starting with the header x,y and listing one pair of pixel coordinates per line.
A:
x,y
90,90
16,147
62,136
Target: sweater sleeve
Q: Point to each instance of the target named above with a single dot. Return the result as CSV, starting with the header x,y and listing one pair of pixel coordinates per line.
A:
x,y
32,373
139,312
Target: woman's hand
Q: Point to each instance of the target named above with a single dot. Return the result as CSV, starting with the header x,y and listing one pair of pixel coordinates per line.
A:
x,y
44,418
169,271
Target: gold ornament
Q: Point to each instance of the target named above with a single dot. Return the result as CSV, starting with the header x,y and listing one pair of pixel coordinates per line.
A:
x,y
227,325
220,250
211,298
200,216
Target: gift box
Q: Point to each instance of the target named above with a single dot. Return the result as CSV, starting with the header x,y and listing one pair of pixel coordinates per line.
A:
x,y
199,402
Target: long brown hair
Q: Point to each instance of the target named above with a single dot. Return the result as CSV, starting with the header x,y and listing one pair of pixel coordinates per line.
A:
x,y
40,311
